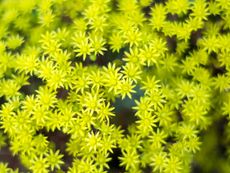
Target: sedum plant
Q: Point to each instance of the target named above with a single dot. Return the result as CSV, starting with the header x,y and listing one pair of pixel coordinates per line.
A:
x,y
69,66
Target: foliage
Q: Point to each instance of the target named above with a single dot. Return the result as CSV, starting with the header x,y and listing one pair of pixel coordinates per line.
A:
x,y
170,58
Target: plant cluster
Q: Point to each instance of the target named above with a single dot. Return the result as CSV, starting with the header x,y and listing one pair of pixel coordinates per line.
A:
x,y
65,63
